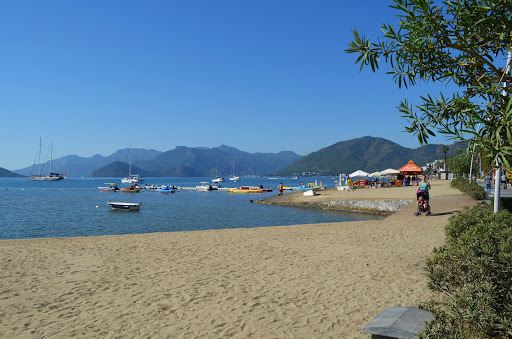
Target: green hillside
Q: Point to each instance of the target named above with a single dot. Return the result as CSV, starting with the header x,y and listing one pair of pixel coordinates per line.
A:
x,y
119,169
202,162
8,174
368,153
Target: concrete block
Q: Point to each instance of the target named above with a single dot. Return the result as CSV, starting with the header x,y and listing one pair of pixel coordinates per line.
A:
x,y
398,322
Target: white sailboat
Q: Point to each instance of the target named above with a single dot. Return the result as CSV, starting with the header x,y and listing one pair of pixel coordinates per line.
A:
x,y
233,176
50,177
132,178
217,178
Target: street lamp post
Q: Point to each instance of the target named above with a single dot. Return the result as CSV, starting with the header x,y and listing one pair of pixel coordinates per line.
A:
x,y
497,178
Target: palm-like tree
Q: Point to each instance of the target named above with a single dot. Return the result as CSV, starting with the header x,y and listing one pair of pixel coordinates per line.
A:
x,y
445,149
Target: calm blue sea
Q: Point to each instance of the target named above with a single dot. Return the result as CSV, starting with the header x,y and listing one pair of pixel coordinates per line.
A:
x,y
76,207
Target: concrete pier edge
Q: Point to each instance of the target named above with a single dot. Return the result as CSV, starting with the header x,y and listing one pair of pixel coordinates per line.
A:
x,y
367,206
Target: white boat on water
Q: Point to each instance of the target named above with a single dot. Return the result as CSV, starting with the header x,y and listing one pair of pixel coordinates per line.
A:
x,y
51,176
204,187
233,176
217,179
125,206
111,188
132,178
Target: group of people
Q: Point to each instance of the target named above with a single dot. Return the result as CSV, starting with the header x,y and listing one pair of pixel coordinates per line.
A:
x,y
489,181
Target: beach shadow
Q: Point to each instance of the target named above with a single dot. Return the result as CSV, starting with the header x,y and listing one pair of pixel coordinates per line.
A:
x,y
444,213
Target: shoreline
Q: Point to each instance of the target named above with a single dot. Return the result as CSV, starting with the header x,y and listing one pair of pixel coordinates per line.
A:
x,y
301,281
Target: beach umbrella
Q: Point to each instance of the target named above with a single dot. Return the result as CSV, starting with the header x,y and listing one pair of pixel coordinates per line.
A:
x,y
410,168
359,173
375,174
390,171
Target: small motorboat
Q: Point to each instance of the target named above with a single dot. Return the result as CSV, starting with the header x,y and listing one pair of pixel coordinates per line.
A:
x,y
131,189
166,189
125,206
204,187
310,186
111,188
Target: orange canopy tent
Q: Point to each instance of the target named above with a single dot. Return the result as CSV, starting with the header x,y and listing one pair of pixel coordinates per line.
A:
x,y
410,168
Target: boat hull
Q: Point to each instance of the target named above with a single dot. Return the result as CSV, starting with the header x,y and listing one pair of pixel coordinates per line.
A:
x,y
125,206
130,190
46,178
165,190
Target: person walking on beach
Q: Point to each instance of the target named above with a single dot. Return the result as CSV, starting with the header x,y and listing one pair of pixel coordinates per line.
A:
x,y
487,180
349,184
280,189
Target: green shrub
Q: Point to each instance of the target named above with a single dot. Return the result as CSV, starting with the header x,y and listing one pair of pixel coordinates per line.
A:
x,y
505,203
473,270
471,188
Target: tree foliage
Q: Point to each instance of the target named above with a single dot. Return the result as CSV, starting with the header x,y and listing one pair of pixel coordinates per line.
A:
x,y
459,163
463,42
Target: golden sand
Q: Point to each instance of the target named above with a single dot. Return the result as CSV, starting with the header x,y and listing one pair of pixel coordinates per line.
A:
x,y
303,281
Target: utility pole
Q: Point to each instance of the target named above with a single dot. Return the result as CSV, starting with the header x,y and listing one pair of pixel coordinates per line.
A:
x,y
497,180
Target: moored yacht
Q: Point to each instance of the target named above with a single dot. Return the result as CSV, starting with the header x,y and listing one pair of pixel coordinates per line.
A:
x,y
51,176
218,179
132,178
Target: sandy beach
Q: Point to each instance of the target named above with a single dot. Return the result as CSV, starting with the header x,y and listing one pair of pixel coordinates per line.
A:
x,y
303,281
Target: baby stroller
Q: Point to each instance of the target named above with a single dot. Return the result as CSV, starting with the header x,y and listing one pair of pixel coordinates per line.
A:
x,y
422,202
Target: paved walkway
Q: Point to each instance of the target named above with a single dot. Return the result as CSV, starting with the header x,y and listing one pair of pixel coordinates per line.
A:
x,y
503,192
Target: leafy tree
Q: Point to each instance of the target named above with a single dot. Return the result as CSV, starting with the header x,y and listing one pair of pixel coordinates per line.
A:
x,y
439,165
460,163
463,42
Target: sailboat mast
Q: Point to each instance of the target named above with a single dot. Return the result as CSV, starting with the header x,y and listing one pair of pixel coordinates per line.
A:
x,y
51,157
130,161
39,166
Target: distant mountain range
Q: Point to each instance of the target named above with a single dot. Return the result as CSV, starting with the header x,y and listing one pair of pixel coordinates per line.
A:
x,y
76,167
202,162
182,162
367,153
8,174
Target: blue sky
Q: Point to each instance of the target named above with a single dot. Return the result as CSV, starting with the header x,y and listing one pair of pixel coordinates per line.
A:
x,y
262,76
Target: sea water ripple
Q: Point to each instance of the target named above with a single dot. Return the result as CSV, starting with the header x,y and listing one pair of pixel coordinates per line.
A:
x,y
76,207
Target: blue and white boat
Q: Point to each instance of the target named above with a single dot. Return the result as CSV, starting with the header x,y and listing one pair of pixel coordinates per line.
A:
x,y
166,189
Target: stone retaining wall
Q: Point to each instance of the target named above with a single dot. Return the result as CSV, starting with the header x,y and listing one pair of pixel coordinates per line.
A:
x,y
373,206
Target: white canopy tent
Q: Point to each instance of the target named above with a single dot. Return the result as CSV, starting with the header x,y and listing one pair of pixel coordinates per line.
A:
x,y
375,174
358,173
390,171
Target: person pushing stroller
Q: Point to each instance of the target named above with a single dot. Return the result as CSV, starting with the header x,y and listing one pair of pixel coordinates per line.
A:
x,y
423,197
